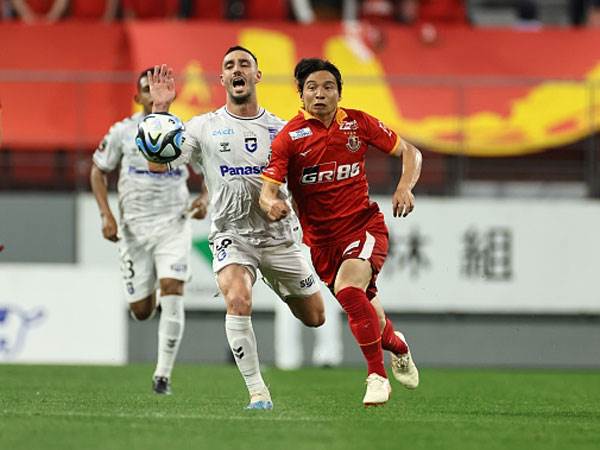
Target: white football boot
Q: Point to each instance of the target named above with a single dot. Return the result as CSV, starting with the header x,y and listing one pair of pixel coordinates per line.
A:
x,y
378,390
404,368
260,400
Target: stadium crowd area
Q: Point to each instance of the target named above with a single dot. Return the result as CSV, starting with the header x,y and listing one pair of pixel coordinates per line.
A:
x,y
56,167
403,12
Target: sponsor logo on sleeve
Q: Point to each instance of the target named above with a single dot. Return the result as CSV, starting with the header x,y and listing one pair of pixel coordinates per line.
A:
x,y
272,133
301,133
385,129
179,267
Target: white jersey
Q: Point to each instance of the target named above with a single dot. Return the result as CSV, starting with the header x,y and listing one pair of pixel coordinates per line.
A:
x,y
232,152
148,202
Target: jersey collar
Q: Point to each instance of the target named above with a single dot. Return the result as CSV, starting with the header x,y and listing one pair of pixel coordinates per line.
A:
x,y
340,115
261,111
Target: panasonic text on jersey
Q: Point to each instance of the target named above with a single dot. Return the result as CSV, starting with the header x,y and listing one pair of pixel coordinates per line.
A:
x,y
240,170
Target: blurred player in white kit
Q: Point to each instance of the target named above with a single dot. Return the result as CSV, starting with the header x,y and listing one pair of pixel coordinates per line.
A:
x,y
153,232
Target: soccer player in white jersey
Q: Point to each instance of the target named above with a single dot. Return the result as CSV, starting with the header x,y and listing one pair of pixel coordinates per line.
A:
x,y
153,233
231,146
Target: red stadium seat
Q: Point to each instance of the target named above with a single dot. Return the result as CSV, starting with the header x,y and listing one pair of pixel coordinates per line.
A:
x,y
266,10
87,9
208,9
150,9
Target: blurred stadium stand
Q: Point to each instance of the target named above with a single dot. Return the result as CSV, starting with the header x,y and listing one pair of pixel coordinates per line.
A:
x,y
48,165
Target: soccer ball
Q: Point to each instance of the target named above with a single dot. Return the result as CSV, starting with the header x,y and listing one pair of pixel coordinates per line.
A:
x,y
160,137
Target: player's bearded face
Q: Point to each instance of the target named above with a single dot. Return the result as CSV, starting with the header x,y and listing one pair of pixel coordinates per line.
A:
x,y
239,76
320,94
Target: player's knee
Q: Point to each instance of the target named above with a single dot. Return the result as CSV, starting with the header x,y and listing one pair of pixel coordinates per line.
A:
x,y
342,284
314,319
143,309
317,320
170,286
239,305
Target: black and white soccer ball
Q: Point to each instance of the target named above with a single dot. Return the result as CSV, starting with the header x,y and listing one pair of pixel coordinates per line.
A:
x,y
160,137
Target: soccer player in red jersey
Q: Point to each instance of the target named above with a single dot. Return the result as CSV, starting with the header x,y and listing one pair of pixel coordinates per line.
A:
x,y
321,153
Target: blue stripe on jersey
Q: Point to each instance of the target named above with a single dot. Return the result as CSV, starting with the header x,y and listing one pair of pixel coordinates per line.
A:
x,y
176,173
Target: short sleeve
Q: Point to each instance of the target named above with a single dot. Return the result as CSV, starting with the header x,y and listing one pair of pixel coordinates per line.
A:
x,y
110,150
190,144
379,135
276,170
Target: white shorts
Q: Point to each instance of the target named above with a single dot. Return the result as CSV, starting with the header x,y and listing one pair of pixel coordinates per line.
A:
x,y
167,256
284,268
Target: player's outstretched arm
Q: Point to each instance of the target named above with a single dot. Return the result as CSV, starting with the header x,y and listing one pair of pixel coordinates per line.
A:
x,y
162,87
274,207
403,200
199,206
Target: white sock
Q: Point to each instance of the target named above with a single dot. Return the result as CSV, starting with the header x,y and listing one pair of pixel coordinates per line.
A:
x,y
288,338
170,331
328,349
242,342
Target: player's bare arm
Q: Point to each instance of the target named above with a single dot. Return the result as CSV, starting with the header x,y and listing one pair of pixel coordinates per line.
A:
x,y
403,200
162,88
100,190
199,206
274,207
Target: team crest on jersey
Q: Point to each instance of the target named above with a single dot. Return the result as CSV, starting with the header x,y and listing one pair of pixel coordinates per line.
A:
x,y
250,142
349,126
301,133
353,143
224,147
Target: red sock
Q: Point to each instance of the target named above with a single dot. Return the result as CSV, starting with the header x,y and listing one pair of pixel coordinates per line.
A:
x,y
364,325
391,342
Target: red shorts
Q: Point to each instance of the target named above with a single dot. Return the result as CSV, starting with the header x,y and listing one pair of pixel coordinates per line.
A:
x,y
371,245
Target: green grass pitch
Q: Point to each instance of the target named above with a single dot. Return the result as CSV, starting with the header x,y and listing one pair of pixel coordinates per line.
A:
x,y
74,407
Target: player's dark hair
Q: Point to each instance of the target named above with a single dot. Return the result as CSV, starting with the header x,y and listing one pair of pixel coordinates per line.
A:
x,y
244,49
306,66
143,74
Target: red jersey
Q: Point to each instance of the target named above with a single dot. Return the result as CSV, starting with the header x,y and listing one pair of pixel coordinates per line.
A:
x,y
325,171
